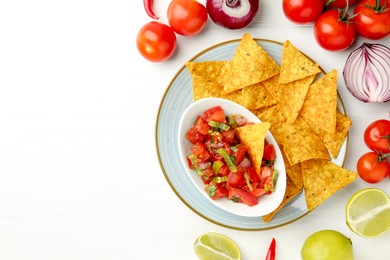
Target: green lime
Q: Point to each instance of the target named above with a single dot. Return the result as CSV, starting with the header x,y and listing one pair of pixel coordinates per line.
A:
x,y
327,245
214,246
368,212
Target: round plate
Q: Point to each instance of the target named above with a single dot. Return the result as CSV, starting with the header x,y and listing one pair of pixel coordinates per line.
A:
x,y
176,99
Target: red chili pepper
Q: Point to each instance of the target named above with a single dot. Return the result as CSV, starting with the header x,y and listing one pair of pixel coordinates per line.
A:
x,y
148,5
271,251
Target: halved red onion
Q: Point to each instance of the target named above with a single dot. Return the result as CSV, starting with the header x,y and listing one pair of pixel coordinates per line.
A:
x,y
367,73
232,14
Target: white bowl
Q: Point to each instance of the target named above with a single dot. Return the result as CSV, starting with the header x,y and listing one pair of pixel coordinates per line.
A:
x,y
267,203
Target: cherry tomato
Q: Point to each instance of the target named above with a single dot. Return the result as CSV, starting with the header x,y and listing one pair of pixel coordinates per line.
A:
x,y
156,41
372,18
302,11
377,136
340,3
333,31
187,17
372,167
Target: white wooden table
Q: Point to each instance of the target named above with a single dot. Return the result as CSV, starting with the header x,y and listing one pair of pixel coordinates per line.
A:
x,y
79,174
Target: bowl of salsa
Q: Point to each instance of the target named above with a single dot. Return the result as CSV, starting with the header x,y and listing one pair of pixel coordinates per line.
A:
x,y
231,157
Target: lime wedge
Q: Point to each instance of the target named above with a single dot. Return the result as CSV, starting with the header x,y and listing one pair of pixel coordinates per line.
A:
x,y
214,246
368,212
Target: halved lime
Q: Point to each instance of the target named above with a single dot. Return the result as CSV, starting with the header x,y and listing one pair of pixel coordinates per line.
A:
x,y
368,212
215,246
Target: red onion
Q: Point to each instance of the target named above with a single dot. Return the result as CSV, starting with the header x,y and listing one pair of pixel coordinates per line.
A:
x,y
366,73
232,14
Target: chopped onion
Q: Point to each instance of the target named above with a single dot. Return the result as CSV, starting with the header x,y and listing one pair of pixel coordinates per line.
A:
x,y
232,14
367,73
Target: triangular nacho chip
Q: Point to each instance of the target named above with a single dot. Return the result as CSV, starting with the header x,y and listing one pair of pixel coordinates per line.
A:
x,y
207,89
300,143
293,171
213,71
290,96
320,105
251,64
257,96
334,141
253,136
295,65
322,179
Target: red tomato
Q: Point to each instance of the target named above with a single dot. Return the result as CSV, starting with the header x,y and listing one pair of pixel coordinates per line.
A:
x,y
156,41
194,136
220,192
187,17
377,136
215,114
372,19
240,153
201,125
372,167
340,3
333,31
269,152
239,195
302,11
236,179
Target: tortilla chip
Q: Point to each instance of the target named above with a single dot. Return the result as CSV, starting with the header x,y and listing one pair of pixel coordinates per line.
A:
x,y
300,143
251,64
320,105
290,96
272,114
257,96
335,140
213,71
291,192
276,117
295,65
252,136
293,171
322,179
203,89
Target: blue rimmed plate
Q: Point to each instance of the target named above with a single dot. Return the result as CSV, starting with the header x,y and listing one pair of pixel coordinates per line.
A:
x,y
176,99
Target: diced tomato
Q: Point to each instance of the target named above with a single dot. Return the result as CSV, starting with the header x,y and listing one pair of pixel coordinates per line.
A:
x,y
224,171
194,136
221,192
269,152
189,163
253,177
229,135
204,157
258,192
215,114
236,179
208,173
239,195
198,148
201,125
239,154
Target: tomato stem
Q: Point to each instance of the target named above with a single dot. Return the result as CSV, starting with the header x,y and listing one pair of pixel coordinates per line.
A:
x,y
378,8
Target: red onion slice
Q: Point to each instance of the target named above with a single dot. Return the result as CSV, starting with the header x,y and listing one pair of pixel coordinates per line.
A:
x,y
366,73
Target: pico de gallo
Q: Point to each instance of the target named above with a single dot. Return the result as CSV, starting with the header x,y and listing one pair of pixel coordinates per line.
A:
x,y
223,163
